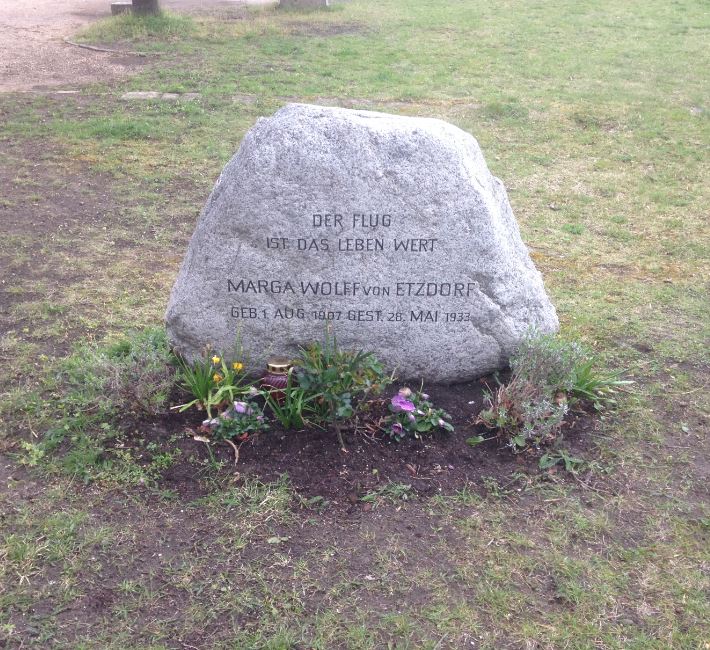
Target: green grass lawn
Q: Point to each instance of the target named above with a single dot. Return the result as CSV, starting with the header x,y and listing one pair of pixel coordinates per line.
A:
x,y
595,116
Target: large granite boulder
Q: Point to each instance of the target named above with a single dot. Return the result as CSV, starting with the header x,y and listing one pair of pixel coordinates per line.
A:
x,y
390,228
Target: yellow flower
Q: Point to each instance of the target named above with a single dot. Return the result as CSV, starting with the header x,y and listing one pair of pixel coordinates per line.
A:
x,y
216,378
215,359
238,365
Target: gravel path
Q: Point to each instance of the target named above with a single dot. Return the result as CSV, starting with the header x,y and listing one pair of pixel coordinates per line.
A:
x,y
33,55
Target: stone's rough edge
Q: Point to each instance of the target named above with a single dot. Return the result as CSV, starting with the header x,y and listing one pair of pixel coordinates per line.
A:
x,y
503,333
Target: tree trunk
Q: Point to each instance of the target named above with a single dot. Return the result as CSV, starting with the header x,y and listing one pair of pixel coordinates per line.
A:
x,y
146,7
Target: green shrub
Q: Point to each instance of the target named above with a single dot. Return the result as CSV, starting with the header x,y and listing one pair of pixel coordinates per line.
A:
x,y
547,375
547,361
135,374
338,381
524,414
140,372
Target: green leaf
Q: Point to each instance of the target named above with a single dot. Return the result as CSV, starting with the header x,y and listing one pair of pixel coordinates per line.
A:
x,y
474,440
345,411
519,440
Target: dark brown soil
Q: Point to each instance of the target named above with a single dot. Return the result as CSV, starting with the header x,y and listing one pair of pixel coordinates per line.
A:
x,y
317,467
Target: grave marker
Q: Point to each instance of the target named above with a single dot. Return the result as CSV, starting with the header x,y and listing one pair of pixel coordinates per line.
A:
x,y
389,228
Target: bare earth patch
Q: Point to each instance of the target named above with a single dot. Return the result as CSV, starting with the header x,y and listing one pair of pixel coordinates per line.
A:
x,y
363,474
34,55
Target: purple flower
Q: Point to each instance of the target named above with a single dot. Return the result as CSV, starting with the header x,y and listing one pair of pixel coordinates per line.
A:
x,y
424,396
400,403
411,417
397,429
442,423
242,407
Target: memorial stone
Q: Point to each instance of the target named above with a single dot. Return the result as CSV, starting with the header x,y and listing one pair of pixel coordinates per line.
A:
x,y
390,229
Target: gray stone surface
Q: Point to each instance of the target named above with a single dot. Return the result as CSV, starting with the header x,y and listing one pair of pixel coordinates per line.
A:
x,y
392,228
141,94
118,8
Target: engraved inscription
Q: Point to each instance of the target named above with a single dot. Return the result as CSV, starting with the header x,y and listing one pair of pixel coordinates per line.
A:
x,y
339,233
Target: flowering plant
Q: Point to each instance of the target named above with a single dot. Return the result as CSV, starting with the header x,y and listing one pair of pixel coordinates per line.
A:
x,y
412,414
211,381
238,421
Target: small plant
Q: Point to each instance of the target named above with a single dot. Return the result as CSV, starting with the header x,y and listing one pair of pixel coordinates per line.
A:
x,y
139,372
230,381
597,387
33,455
292,405
339,380
413,415
548,374
523,413
198,379
571,464
212,382
547,361
392,492
239,421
